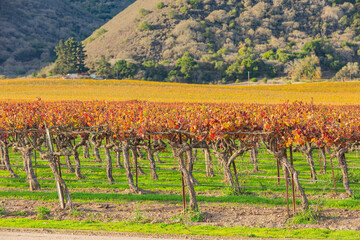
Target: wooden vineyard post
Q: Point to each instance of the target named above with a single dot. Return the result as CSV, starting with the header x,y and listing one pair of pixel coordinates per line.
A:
x,y
183,182
58,186
320,163
287,192
60,190
278,170
174,160
59,164
183,191
136,172
1,158
237,188
292,179
332,170
35,163
286,188
131,161
236,176
173,153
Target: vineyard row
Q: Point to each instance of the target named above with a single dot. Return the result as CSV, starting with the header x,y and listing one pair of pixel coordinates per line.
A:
x,y
227,130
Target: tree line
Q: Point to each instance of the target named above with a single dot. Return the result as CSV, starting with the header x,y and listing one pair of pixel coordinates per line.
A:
x,y
316,56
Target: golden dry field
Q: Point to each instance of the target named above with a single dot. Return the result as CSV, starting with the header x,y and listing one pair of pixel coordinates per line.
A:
x,y
119,90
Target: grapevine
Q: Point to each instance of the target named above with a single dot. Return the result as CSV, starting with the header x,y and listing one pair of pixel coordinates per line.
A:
x,y
229,130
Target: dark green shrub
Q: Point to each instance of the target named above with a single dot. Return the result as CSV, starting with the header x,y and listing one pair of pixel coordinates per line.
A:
x,y
144,26
184,10
160,5
143,12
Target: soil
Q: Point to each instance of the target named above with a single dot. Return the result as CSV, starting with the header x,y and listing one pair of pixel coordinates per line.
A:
x,y
215,214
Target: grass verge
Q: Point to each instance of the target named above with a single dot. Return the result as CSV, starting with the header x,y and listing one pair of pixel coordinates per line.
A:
x,y
114,197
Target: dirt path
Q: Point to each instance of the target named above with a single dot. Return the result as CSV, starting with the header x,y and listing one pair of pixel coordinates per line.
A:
x,y
41,234
214,214
56,236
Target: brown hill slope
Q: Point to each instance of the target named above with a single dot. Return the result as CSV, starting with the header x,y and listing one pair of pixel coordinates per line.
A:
x,y
122,40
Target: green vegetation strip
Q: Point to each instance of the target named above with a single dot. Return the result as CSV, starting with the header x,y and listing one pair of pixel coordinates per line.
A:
x,y
114,197
181,229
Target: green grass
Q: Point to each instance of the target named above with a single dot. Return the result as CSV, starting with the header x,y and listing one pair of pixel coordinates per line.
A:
x,y
155,228
189,216
42,212
115,197
170,179
258,186
309,216
119,198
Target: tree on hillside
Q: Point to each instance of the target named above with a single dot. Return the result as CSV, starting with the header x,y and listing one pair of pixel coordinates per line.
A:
x,y
241,68
103,68
247,64
186,65
325,52
124,69
347,72
70,57
154,71
306,68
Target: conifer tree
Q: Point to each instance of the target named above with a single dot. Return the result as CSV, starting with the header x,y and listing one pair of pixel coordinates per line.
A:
x,y
70,57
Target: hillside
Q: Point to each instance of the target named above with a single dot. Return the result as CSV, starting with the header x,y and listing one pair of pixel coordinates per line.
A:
x,y
29,29
229,40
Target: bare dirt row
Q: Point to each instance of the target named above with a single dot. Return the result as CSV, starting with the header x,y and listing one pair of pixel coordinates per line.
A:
x,y
215,214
